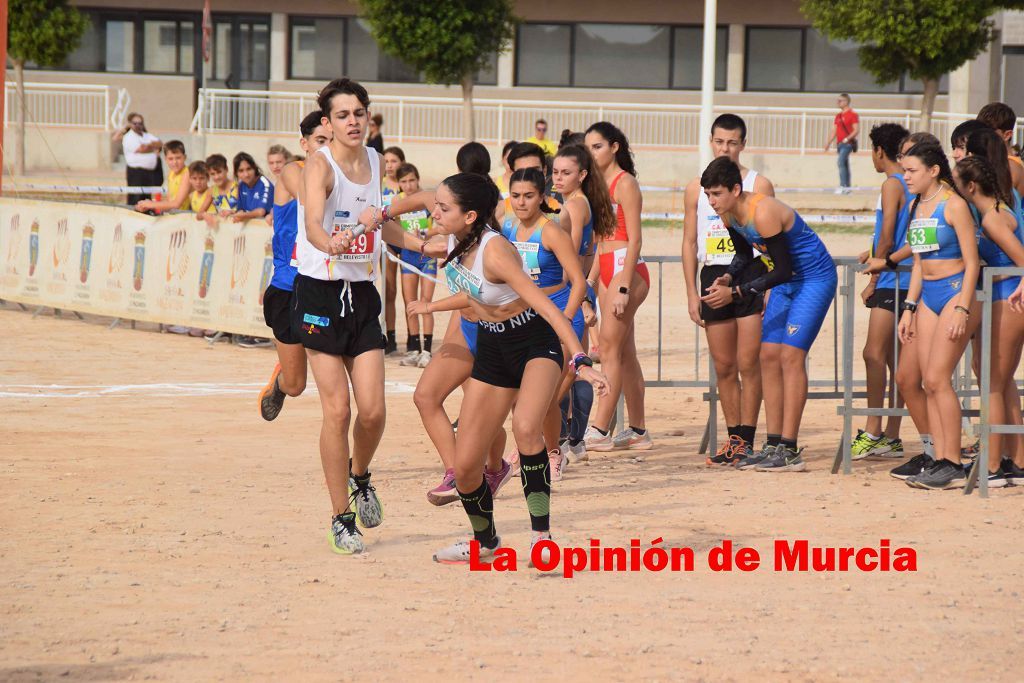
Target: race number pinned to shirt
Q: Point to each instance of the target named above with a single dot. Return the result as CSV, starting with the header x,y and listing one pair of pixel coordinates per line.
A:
x,y
718,247
529,252
461,279
922,235
620,261
362,248
416,222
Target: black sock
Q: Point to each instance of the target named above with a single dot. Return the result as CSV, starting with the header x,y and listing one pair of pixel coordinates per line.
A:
x,y
774,439
479,507
746,432
391,338
603,432
639,431
412,343
533,471
575,442
732,431
788,443
428,341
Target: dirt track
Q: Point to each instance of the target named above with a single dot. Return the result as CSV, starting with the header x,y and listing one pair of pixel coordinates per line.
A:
x,y
160,532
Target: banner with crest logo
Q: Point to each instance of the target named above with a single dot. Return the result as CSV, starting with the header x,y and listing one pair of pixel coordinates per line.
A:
x,y
111,261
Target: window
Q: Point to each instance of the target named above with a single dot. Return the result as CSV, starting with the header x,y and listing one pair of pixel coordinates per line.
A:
x,y
801,59
621,55
88,56
161,46
317,48
688,57
120,42
323,48
616,55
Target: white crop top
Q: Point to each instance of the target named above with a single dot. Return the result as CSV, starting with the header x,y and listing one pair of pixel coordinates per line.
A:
x,y
714,247
341,211
472,281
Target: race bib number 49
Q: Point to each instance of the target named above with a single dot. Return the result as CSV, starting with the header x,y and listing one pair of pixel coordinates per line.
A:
x,y
922,235
718,247
362,248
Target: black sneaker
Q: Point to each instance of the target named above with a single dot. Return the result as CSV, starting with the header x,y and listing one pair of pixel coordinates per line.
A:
x,y
254,342
997,480
943,475
783,460
913,467
1014,475
272,398
752,460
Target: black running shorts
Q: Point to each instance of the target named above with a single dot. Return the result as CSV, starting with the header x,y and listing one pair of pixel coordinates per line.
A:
x,y
751,304
277,314
886,299
503,349
336,317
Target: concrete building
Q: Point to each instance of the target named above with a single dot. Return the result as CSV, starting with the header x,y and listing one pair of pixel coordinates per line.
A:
x,y
767,55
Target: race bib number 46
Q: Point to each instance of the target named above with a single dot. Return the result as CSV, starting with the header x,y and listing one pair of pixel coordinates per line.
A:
x,y
718,247
922,235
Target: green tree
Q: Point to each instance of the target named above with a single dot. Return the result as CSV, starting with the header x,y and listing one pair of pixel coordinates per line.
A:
x,y
44,32
925,39
448,41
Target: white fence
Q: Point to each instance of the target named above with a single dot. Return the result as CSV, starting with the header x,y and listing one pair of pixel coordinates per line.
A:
x,y
647,125
68,104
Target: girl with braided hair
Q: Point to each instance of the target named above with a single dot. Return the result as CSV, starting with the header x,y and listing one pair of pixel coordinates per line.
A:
x,y
941,234
1000,244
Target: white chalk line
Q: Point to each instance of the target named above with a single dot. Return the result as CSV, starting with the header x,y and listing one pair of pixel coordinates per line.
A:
x,y
156,390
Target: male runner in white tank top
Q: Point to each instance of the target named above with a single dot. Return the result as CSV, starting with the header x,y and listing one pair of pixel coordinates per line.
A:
x,y
733,332
336,307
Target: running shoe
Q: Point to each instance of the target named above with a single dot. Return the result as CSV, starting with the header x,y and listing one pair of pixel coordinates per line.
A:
x,y
513,460
596,441
865,445
272,398
629,440
729,454
369,511
496,480
942,475
895,447
557,459
997,480
535,538
445,492
968,454
254,342
783,460
458,552
913,467
1014,475
345,538
177,329
752,460
411,360
577,453
424,359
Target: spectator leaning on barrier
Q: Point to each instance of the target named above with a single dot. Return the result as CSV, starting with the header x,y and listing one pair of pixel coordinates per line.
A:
x,y
142,158
847,126
200,197
178,187
540,138
255,192
223,190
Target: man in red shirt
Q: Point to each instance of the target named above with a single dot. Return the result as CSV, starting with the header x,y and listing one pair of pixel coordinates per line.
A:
x,y
847,126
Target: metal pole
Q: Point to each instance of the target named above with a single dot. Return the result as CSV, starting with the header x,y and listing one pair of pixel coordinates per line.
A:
x,y
3,80
846,292
975,477
712,408
660,302
707,83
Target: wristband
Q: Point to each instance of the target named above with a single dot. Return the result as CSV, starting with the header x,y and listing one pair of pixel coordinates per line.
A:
x,y
909,305
580,360
889,263
588,300
963,310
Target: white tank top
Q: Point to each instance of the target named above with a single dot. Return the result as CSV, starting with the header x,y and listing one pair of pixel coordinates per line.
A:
x,y
472,281
713,244
341,210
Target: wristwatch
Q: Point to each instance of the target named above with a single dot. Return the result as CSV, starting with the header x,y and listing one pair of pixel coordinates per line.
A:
x,y
909,306
623,290
588,300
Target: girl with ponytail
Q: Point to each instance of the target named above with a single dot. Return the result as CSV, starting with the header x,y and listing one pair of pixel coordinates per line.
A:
x,y
519,344
940,313
626,283
1000,244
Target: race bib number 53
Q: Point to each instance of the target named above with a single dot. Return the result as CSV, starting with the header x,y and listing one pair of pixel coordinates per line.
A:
x,y
922,235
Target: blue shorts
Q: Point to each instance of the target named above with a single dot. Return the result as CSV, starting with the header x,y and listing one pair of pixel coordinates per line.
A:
x,y
415,259
469,331
397,251
560,299
795,311
935,294
1002,289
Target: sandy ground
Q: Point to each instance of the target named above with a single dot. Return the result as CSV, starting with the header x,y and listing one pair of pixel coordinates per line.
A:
x,y
154,527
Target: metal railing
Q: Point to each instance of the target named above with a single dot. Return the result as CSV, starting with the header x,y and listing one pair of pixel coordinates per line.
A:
x,y
791,129
73,105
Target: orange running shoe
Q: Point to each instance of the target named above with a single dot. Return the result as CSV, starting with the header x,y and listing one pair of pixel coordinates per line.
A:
x,y
271,397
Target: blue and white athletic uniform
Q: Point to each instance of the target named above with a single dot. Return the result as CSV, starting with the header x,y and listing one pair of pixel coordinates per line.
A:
x,y
887,279
995,257
934,238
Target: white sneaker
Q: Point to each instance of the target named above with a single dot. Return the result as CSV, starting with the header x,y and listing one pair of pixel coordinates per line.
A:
x,y
458,553
424,359
577,453
839,190
557,460
535,538
629,440
411,360
596,441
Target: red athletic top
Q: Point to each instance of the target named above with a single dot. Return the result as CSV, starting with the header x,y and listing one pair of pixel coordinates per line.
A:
x,y
620,234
